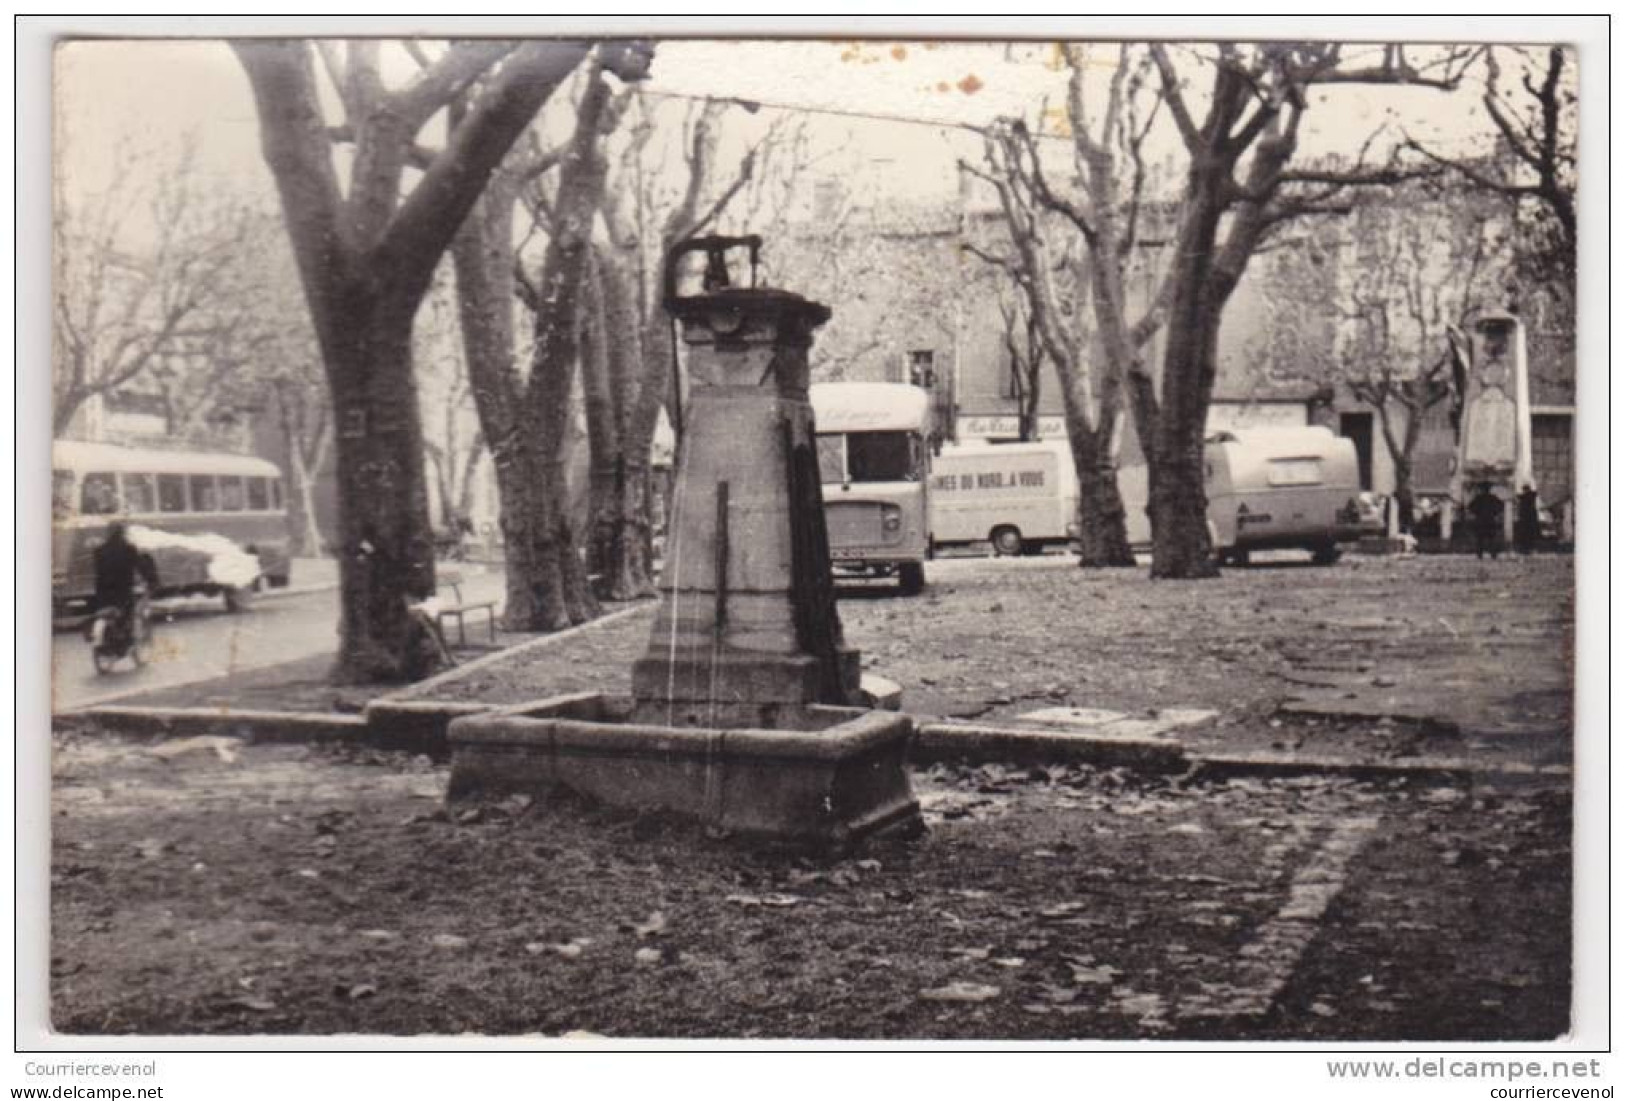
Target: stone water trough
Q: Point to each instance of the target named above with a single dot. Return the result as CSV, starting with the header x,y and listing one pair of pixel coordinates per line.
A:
x,y
743,710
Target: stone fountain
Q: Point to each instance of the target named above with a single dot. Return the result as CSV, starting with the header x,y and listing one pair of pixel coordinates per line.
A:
x,y
744,711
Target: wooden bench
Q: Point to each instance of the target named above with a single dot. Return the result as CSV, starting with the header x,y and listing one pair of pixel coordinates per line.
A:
x,y
459,610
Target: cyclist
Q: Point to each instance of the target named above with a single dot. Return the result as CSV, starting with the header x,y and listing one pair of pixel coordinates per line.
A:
x,y
119,564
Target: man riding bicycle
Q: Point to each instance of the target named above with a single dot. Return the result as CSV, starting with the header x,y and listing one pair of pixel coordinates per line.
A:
x,y
118,566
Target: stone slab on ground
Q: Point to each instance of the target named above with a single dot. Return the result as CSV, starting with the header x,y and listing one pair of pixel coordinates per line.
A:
x,y
1114,724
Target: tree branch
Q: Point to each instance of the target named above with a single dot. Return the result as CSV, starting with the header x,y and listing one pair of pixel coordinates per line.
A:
x,y
429,217
447,77
1175,98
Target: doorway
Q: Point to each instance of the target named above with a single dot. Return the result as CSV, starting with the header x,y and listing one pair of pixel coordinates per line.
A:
x,y
1358,427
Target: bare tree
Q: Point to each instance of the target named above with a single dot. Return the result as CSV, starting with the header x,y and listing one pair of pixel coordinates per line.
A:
x,y
366,255
1408,270
453,445
1239,188
121,309
524,416
630,374
1024,346
1533,111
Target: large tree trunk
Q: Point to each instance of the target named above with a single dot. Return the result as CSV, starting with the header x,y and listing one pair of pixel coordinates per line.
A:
x,y
1102,518
386,558
535,564
1182,546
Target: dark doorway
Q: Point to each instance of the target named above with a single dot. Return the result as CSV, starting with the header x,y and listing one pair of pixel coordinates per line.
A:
x,y
1357,427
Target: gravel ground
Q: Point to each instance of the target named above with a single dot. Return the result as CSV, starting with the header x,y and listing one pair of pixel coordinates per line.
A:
x,y
289,890
1379,657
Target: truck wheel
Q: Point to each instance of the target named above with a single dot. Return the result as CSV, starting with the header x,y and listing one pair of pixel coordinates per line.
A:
x,y
911,578
1326,554
1239,557
238,598
1006,540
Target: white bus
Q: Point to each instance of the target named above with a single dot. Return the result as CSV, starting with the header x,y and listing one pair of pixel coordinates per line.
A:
x,y
1018,497
190,506
874,460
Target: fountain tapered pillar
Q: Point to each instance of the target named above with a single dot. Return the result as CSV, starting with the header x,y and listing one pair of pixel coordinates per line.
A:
x,y
748,632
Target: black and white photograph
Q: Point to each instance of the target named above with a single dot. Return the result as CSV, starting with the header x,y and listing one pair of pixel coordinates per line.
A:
x,y
1043,537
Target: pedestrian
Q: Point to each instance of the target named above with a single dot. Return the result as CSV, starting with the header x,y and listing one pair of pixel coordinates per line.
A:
x,y
1487,513
1526,521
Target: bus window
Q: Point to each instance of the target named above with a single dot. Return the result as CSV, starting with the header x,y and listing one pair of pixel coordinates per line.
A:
x,y
276,493
99,496
231,493
172,493
204,498
832,459
880,457
258,498
61,494
139,494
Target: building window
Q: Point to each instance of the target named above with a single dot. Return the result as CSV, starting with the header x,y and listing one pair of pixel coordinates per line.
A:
x,y
826,200
1014,380
1552,437
922,369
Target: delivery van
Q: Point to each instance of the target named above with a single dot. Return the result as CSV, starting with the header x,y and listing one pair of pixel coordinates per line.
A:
x,y
1018,497
874,460
1271,488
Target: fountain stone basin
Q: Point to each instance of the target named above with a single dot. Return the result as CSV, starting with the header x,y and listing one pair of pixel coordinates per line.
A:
x,y
824,776
829,780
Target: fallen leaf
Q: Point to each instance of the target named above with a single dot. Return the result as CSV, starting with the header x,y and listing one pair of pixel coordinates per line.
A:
x,y
223,748
961,992
362,990
653,927
448,940
764,900
259,1005
647,955
1090,976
